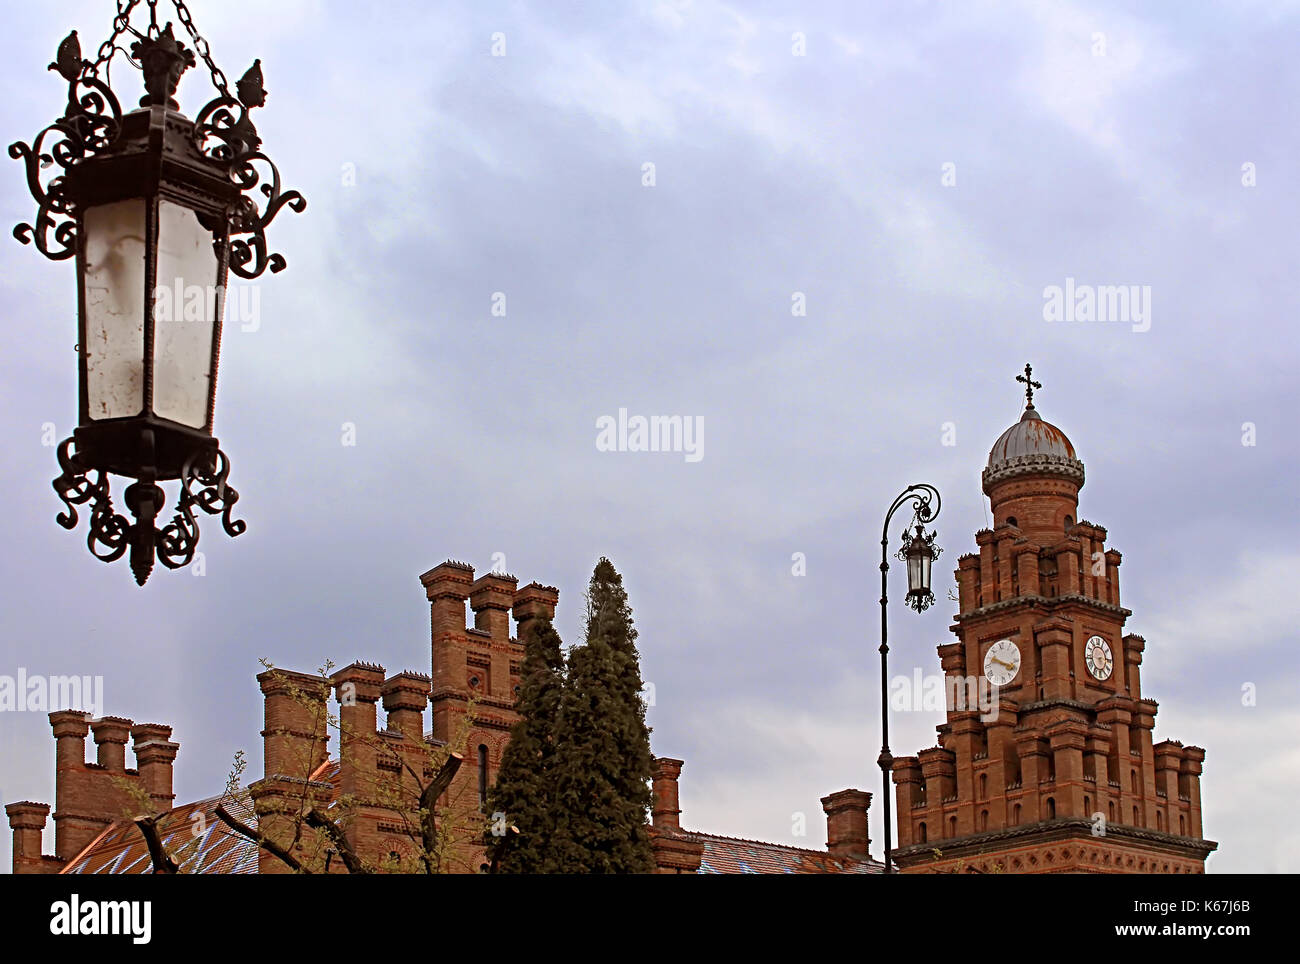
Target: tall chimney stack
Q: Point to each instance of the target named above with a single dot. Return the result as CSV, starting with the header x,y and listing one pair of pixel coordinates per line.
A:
x,y
846,824
154,756
405,697
666,814
294,736
111,733
27,820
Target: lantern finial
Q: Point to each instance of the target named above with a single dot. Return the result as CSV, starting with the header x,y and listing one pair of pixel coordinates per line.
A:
x,y
68,61
162,59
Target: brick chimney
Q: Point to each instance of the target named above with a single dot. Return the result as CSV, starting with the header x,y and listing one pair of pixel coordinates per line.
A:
x,y
491,597
533,602
405,697
111,733
294,737
846,824
154,756
447,586
76,806
27,820
357,688
666,814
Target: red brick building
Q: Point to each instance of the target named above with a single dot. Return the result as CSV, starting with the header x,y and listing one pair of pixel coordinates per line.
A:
x,y
469,698
1060,774
1063,773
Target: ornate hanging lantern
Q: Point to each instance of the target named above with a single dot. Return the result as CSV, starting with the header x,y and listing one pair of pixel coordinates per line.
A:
x,y
157,210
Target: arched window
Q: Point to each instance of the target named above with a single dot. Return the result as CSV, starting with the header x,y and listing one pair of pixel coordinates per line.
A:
x,y
1182,825
984,786
1069,521
482,775
1133,780
1112,811
1087,806
920,832
1135,817
984,820
1011,521
952,826
1051,808
1015,816
1160,820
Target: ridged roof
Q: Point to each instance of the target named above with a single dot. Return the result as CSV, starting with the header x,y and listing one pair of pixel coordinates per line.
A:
x,y
732,855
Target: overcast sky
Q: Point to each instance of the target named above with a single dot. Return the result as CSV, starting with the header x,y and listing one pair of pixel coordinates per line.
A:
x,y
1085,141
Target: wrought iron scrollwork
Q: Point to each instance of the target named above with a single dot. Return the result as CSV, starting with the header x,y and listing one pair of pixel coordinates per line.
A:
x,y
89,126
111,534
225,133
925,502
917,601
210,470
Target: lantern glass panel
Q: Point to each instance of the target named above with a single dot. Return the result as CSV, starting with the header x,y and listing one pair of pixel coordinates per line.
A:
x,y
187,304
914,571
113,292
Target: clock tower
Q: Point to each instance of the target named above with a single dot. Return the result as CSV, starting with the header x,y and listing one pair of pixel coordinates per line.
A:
x,y
1046,762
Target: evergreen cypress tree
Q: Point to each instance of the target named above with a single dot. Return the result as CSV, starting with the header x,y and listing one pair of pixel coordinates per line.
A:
x,y
524,788
603,763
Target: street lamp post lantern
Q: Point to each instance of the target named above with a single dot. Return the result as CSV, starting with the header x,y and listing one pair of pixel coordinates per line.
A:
x,y
157,210
919,552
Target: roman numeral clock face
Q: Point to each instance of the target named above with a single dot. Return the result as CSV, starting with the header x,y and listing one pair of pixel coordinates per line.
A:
x,y
1002,662
1097,657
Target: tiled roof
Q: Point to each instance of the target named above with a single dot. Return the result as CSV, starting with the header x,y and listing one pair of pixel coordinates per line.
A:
x,y
193,834
205,845
732,855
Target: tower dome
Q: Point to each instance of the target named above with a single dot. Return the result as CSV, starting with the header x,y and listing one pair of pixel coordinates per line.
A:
x,y
1033,475
1032,446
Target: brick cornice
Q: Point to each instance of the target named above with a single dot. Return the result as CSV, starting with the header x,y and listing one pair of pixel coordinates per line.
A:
x,y
1033,466
1035,601
1062,828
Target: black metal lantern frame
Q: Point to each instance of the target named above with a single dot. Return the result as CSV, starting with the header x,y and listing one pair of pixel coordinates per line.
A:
x,y
919,552
141,200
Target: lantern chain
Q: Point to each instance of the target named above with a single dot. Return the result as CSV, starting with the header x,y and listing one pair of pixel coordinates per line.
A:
x,y
201,45
121,24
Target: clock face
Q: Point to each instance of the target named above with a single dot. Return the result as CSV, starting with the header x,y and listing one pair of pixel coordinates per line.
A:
x,y
1097,657
1002,662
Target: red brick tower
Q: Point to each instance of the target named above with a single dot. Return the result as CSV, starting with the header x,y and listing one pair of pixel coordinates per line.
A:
x,y
476,672
1057,772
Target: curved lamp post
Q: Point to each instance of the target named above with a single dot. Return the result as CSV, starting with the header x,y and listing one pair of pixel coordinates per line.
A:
x,y
157,210
919,552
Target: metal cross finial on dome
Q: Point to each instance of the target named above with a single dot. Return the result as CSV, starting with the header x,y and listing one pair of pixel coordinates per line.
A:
x,y
1030,384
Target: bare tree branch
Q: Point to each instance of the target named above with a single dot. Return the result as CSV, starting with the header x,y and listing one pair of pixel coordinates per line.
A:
x,y
270,846
318,821
428,804
162,860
